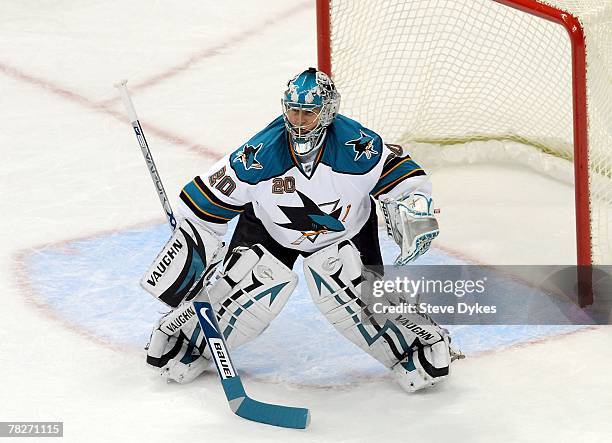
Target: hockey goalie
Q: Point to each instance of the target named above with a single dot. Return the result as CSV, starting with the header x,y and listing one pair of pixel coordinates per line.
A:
x,y
304,185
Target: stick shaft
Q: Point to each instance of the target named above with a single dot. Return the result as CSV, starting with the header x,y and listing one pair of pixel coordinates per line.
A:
x,y
146,152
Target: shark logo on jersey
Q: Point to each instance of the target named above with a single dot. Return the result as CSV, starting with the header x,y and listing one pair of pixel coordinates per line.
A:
x,y
248,157
364,145
311,220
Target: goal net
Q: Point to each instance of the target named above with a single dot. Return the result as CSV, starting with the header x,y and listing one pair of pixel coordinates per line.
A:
x,y
441,74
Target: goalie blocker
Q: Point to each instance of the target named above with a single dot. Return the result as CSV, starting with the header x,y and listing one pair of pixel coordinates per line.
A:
x,y
184,264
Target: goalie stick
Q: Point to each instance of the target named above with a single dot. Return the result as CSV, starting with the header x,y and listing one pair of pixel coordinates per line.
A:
x,y
239,402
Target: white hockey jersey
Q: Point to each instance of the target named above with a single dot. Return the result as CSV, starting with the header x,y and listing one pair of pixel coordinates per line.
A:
x,y
302,211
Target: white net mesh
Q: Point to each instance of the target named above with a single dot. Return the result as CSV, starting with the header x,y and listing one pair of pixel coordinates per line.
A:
x,y
453,71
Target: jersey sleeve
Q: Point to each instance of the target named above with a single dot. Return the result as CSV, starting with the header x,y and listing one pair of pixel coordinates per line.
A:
x,y
214,198
400,175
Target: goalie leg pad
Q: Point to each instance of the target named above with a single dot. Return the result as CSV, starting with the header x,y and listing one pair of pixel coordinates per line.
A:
x,y
251,291
335,278
249,294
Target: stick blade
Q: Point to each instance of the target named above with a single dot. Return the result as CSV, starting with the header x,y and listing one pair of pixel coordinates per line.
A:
x,y
275,415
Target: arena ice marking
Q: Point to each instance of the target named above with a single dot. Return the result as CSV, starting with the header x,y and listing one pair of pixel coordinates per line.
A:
x,y
102,297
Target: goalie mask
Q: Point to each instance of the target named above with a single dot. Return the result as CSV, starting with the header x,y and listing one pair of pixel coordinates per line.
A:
x,y
310,104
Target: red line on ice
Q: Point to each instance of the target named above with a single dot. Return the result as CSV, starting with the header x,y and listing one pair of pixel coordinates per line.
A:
x,y
74,97
215,50
105,105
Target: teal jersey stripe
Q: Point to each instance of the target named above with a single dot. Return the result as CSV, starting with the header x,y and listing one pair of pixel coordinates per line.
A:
x,y
404,170
205,203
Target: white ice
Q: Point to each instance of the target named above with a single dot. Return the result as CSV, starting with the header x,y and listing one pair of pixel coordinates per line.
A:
x,y
205,76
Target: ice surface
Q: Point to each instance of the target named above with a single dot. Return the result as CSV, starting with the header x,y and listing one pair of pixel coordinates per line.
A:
x,y
82,223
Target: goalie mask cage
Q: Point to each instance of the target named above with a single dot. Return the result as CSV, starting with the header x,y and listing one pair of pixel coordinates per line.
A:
x,y
448,72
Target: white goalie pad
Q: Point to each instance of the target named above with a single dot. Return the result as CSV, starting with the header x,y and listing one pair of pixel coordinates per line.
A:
x,y
176,274
251,291
335,279
248,295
